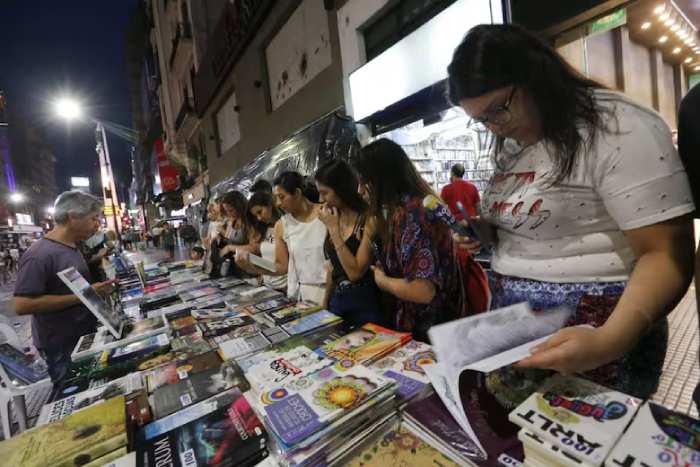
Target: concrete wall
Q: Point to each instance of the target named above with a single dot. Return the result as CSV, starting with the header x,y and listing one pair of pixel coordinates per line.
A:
x,y
600,51
636,64
260,126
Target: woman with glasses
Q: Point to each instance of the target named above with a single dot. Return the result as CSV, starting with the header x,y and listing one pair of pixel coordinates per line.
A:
x,y
590,203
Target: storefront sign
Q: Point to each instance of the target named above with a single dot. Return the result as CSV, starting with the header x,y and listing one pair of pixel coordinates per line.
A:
x,y
24,219
608,22
168,173
418,60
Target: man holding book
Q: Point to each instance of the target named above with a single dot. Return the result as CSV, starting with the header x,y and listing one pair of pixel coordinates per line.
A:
x,y
58,317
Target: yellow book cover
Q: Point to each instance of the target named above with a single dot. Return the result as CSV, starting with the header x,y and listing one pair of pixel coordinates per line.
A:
x,y
400,448
107,458
74,440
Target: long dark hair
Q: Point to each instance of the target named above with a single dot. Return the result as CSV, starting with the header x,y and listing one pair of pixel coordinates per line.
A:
x,y
262,198
237,200
390,176
339,176
292,181
492,56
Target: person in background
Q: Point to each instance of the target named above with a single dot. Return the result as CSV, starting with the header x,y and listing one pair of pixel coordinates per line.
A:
x,y
215,228
196,253
299,238
167,239
14,254
590,203
689,150
261,185
264,215
58,316
460,190
417,266
155,235
239,236
188,234
4,267
350,289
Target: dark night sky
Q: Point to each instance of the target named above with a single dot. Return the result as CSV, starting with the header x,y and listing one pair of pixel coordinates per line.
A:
x,y
77,47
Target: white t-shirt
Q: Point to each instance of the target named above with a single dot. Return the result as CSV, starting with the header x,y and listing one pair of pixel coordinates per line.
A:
x,y
572,232
306,275
267,251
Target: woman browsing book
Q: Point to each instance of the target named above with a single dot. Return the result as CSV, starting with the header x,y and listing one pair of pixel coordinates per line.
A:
x,y
350,289
590,203
263,215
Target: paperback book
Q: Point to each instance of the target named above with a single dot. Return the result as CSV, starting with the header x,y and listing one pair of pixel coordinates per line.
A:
x,y
20,366
658,436
236,333
138,348
539,451
173,372
242,346
295,413
290,313
217,327
311,322
405,366
197,387
85,435
580,417
364,345
228,436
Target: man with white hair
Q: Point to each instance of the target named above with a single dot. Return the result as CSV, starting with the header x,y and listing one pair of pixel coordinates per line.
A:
x,y
58,316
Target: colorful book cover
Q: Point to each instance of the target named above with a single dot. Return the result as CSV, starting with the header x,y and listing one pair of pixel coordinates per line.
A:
x,y
567,408
127,460
241,346
26,368
199,386
309,404
272,305
541,451
658,436
214,313
236,333
279,370
290,313
65,406
404,365
311,322
217,327
183,322
142,347
398,447
198,293
228,436
431,416
195,344
190,413
174,372
364,345
85,435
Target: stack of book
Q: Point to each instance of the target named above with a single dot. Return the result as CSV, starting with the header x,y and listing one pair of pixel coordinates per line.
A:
x,y
572,421
220,431
658,436
364,346
311,322
405,366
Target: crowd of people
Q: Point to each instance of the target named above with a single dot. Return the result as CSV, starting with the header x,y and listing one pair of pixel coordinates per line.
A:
x,y
589,207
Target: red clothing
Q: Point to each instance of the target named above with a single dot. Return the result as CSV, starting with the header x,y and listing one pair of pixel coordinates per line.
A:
x,y
462,191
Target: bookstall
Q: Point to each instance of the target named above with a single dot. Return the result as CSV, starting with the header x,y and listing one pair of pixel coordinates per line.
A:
x,y
190,371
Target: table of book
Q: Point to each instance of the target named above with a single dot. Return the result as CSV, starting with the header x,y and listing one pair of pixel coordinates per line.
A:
x,y
225,373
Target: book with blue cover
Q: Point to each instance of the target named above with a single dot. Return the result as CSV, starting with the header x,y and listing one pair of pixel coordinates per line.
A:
x,y
311,322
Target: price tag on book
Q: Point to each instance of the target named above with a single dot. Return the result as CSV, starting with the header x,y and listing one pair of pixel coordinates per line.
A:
x,y
185,399
188,458
182,374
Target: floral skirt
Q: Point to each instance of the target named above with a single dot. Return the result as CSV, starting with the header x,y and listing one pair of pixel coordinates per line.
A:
x,y
637,373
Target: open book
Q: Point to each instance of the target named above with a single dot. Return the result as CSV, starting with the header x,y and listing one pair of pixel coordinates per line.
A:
x,y
484,343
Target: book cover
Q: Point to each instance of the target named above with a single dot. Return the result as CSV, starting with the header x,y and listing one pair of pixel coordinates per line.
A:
x,y
198,293
364,345
228,436
309,404
217,327
236,333
311,322
173,372
26,368
185,321
290,313
241,346
431,415
141,347
170,309
199,386
229,283
190,413
404,365
127,460
213,313
61,408
397,447
541,451
74,440
279,370
272,305
108,458
195,344
658,436
580,417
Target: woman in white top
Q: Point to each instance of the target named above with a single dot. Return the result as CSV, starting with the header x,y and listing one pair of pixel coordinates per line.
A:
x,y
299,237
264,213
590,203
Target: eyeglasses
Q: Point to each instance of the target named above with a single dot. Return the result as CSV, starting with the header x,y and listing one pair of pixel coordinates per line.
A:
x,y
498,116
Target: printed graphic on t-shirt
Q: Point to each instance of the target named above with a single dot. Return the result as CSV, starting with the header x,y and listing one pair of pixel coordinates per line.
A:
x,y
526,214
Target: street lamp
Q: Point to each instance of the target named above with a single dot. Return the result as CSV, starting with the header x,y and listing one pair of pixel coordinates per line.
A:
x,y
16,197
70,109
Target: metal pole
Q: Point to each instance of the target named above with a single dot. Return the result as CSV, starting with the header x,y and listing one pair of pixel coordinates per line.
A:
x,y
108,167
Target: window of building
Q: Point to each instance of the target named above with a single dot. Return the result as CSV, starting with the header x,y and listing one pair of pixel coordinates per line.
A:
x,y
400,21
227,128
